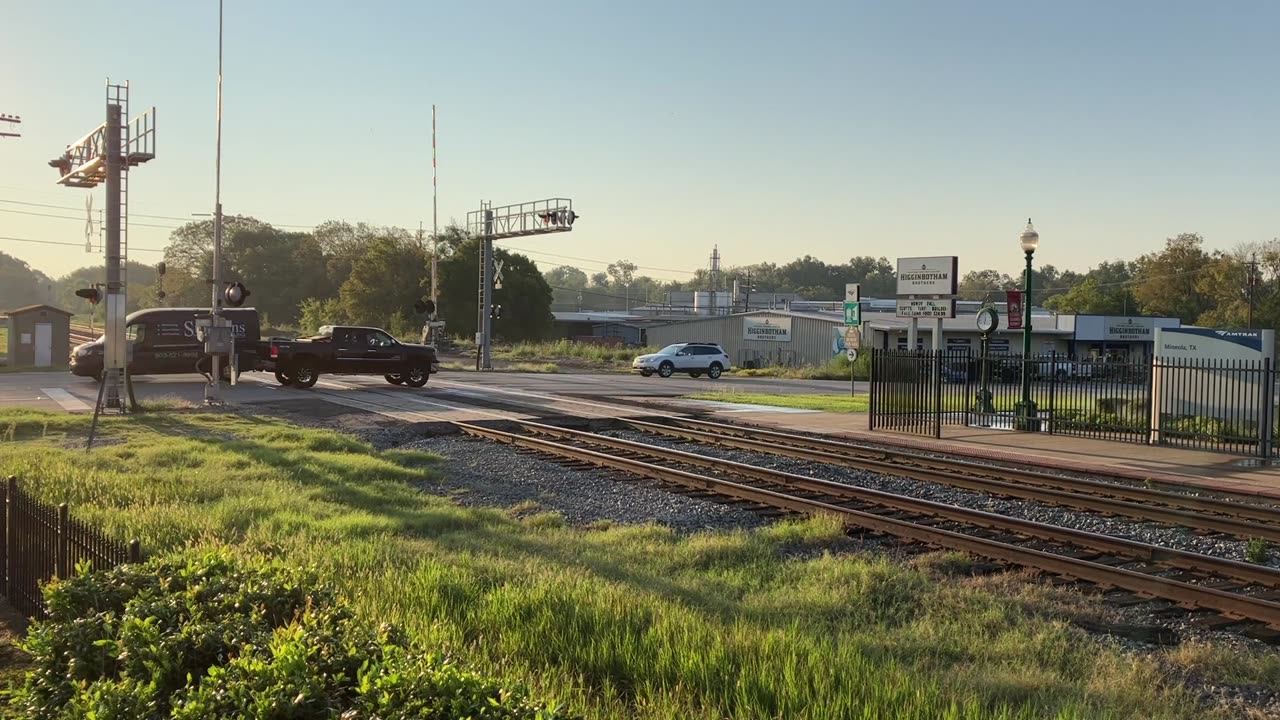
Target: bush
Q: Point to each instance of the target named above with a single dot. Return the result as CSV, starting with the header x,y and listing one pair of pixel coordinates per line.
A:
x,y
214,637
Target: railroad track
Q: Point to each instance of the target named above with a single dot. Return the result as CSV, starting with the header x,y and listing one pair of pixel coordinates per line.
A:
x,y
82,334
1205,514
1237,591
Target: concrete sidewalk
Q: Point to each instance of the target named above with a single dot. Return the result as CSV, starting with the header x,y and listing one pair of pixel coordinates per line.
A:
x,y
1212,471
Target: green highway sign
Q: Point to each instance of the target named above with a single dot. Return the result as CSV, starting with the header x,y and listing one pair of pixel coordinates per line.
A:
x,y
852,313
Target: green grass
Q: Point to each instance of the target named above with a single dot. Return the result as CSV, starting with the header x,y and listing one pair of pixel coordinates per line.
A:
x,y
585,353
836,369
826,403
519,367
618,621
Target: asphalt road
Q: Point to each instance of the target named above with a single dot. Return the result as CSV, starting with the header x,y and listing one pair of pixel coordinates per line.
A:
x,y
450,395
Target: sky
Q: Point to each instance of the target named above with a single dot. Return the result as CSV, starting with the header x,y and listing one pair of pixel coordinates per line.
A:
x,y
772,130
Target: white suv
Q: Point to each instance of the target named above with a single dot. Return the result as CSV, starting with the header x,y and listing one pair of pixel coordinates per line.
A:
x,y
692,358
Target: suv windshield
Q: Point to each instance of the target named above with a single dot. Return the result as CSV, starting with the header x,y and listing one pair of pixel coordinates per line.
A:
x,y
671,349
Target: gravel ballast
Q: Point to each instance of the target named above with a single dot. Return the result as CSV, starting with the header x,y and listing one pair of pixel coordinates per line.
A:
x,y
1139,530
480,473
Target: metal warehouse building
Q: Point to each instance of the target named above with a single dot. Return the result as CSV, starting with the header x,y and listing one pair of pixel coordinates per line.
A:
x,y
762,338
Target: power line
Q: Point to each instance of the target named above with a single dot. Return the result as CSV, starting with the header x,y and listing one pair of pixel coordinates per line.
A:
x,y
69,244
132,214
597,262
80,219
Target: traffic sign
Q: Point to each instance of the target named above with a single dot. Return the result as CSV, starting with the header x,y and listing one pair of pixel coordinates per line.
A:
x,y
853,354
852,313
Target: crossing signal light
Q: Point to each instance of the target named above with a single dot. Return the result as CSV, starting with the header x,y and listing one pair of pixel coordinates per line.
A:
x,y
160,268
93,295
424,307
495,312
562,218
235,294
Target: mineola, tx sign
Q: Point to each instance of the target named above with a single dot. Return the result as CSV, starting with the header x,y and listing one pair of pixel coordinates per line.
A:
x,y
928,275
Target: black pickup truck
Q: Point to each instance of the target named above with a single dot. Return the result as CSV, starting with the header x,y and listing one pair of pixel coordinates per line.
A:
x,y
345,350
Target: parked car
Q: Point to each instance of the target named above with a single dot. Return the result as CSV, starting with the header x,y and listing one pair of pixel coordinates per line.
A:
x,y
692,358
163,341
348,350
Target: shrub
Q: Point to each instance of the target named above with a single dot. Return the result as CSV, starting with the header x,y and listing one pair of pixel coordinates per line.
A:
x,y
214,637
1256,551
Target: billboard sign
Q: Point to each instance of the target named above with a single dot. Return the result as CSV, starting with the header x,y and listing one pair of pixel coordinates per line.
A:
x,y
928,275
926,308
768,329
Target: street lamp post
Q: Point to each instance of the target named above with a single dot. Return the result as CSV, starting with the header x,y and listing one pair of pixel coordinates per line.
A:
x,y
1027,417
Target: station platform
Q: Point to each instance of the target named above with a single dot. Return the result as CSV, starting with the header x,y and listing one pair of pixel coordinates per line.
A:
x,y
1218,472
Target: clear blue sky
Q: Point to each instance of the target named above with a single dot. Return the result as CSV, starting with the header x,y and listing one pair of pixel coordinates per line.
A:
x,y
773,129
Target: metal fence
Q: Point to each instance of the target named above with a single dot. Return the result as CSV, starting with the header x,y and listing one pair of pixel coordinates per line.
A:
x,y
1219,405
40,542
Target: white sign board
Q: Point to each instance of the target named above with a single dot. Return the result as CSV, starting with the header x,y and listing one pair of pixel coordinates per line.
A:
x,y
768,329
926,308
928,275
852,293
1207,374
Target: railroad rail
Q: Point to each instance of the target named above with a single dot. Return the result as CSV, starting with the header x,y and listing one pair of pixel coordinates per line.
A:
x,y
1239,591
82,334
1209,514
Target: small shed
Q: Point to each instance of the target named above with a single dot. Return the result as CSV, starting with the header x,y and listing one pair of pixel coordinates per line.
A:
x,y
39,336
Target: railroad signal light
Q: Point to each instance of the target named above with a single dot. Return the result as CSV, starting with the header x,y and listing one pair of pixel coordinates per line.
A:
x,y
235,294
424,307
160,268
92,294
560,218
496,312
160,294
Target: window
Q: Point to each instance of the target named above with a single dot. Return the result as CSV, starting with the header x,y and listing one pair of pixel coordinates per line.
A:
x,y
136,333
379,339
349,339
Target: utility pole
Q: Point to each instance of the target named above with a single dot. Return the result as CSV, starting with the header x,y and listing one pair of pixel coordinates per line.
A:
x,y
214,338
715,277
1253,282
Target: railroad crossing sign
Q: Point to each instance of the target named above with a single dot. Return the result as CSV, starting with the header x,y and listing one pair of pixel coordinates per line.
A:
x,y
497,274
852,305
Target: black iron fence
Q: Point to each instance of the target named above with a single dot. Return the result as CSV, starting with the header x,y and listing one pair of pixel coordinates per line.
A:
x,y
40,542
1220,405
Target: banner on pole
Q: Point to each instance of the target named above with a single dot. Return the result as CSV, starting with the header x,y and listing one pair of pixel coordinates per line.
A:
x,y
1015,314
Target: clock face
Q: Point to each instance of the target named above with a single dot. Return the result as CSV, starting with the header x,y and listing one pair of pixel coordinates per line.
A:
x,y
987,320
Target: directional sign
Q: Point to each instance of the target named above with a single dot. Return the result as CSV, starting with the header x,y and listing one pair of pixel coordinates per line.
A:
x,y
852,314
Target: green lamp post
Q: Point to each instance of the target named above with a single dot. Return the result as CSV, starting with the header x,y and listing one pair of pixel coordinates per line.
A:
x,y
1027,417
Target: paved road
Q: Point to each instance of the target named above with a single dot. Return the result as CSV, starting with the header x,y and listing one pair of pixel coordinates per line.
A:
x,y
448,396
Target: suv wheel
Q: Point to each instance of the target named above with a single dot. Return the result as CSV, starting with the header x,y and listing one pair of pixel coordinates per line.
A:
x,y
666,368
714,371
417,377
647,372
695,373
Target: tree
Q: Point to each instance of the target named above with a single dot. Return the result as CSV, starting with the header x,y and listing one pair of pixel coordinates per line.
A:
x,y
1166,282
981,284
20,285
876,276
281,269
386,280
190,247
621,273
525,295
567,277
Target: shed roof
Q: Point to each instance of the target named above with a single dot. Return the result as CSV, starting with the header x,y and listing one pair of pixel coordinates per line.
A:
x,y
33,308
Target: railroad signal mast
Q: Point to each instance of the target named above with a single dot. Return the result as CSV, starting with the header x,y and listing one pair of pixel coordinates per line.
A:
x,y
105,155
510,221
13,121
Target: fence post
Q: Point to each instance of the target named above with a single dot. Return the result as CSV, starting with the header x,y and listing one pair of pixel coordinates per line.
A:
x,y
1053,387
937,395
62,550
871,394
10,531
1266,421
135,551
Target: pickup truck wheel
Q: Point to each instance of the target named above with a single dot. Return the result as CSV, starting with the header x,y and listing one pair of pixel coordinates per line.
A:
x,y
395,379
304,376
283,378
417,377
